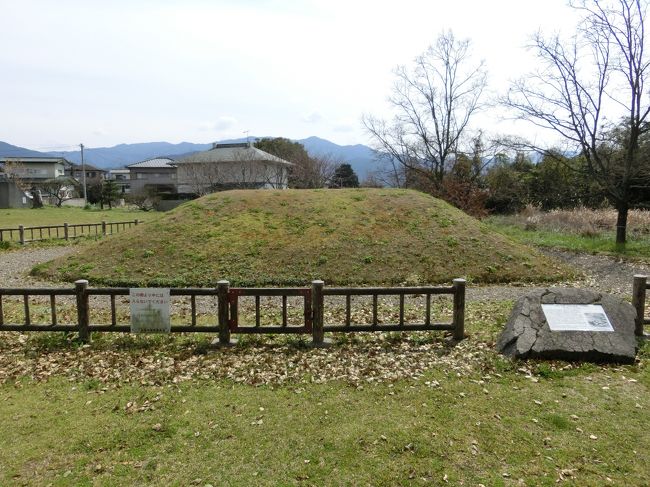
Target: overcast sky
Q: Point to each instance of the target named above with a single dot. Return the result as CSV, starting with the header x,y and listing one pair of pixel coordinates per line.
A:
x,y
109,72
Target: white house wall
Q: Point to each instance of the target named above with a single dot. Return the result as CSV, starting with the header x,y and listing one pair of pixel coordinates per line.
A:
x,y
39,170
195,177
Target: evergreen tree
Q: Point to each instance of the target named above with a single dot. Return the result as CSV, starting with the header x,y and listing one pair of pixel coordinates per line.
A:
x,y
110,192
344,177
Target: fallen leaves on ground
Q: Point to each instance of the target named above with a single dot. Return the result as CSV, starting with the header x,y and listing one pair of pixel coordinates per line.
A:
x,y
377,357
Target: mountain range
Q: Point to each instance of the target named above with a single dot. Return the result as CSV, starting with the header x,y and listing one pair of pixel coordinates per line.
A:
x,y
360,157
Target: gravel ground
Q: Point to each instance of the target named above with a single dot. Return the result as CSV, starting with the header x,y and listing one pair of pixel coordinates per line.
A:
x,y
16,264
602,273
605,274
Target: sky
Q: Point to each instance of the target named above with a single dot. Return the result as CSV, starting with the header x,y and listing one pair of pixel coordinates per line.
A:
x,y
109,72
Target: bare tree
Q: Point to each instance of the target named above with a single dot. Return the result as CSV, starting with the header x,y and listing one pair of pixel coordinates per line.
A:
x,y
59,189
248,172
306,171
315,171
600,70
277,176
144,198
202,177
16,172
390,172
434,103
372,180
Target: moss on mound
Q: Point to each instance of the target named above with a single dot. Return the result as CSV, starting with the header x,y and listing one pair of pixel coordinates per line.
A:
x,y
369,236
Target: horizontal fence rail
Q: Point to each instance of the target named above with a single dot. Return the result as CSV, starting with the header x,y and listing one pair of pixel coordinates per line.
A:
x,y
640,286
65,231
457,291
257,294
227,318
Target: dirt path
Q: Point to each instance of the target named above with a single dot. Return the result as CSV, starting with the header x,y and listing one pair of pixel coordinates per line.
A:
x,y
603,273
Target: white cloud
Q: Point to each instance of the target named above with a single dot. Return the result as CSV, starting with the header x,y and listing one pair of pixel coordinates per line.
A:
x,y
345,126
222,124
313,117
225,123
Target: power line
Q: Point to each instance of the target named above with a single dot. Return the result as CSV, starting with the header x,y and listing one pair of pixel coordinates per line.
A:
x,y
58,148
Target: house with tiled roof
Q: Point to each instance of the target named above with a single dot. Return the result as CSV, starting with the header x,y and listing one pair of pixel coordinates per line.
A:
x,y
34,170
231,166
156,175
92,172
21,176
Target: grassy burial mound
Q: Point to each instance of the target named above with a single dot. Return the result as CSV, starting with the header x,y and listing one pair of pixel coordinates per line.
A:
x,y
369,236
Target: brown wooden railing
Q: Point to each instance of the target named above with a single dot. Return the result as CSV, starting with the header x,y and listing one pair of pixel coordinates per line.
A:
x,y
227,319
639,287
66,231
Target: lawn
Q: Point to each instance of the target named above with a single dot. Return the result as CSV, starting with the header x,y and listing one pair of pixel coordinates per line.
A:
x,y
51,215
158,411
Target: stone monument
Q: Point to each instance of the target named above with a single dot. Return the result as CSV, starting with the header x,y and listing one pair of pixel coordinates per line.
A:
x,y
570,324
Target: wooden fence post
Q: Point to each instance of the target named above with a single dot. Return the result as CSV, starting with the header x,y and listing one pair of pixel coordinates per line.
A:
x,y
66,233
83,311
459,309
103,228
224,329
21,234
136,222
639,286
317,302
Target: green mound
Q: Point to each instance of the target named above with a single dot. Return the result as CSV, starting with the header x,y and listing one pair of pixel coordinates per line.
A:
x,y
291,237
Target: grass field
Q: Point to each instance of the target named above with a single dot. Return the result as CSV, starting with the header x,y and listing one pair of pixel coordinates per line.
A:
x,y
51,215
292,237
150,411
580,230
374,409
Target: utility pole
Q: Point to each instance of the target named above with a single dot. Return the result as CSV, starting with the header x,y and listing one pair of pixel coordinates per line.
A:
x,y
83,174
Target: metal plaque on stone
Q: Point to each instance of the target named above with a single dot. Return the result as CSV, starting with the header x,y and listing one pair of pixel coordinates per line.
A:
x,y
577,317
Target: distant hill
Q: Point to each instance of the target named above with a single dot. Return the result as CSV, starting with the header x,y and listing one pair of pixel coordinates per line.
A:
x,y
8,150
359,156
124,154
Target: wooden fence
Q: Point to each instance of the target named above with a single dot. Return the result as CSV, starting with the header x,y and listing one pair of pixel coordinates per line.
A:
x,y
639,287
227,319
66,231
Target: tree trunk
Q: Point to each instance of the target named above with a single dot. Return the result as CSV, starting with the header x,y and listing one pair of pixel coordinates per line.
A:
x,y
37,199
621,223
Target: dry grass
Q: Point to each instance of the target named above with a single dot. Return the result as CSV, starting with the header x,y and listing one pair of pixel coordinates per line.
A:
x,y
581,221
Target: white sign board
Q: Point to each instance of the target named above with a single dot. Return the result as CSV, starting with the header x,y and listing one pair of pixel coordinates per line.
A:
x,y
149,310
576,317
